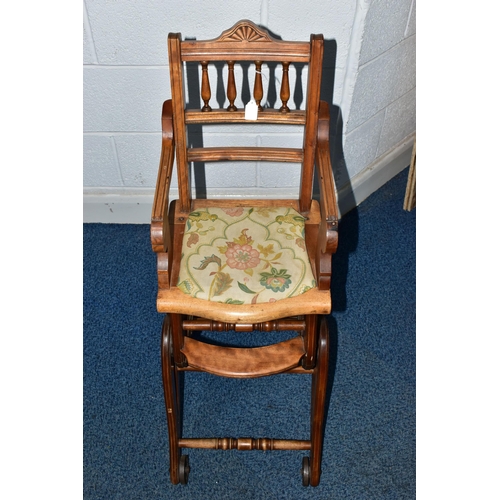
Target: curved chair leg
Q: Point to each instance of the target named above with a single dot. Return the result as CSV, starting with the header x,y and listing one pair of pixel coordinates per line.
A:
x,y
319,385
171,393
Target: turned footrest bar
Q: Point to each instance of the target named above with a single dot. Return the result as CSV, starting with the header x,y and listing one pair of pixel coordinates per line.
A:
x,y
243,362
244,444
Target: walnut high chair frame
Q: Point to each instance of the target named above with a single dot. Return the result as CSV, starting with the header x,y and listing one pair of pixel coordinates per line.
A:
x,y
314,223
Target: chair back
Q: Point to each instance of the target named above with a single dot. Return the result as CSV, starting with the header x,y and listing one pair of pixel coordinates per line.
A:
x,y
244,44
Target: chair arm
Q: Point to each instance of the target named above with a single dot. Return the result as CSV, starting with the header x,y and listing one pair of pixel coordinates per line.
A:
x,y
328,227
328,231
160,234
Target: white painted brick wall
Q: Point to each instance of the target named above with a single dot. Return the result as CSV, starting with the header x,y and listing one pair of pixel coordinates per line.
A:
x,y
126,80
381,113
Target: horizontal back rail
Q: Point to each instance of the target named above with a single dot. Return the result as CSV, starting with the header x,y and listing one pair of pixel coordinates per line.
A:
x,y
245,41
293,155
255,51
268,116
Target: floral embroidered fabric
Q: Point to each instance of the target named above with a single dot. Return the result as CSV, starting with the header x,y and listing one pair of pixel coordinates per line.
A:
x,y
245,255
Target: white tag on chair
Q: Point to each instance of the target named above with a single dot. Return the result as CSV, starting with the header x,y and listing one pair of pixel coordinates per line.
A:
x,y
251,110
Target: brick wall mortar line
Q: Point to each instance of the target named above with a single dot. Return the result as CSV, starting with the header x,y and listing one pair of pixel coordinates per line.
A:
x,y
352,66
409,18
90,38
117,160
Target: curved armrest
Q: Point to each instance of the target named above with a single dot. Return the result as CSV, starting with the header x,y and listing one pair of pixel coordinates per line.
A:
x,y
328,235
160,236
328,227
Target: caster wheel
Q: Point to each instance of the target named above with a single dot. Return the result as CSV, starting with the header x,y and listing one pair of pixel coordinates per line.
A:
x,y
184,469
306,471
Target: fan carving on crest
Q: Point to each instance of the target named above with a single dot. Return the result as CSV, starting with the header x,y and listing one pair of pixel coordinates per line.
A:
x,y
245,32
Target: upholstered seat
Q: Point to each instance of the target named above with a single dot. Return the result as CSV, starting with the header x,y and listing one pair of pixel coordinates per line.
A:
x,y
245,255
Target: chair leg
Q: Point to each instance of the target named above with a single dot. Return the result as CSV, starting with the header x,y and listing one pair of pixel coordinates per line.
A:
x,y
318,400
311,341
179,465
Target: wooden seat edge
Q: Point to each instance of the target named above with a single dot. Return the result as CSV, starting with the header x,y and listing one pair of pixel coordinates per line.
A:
x,y
313,301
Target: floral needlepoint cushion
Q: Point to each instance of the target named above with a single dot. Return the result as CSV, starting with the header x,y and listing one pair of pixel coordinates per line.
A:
x,y
245,255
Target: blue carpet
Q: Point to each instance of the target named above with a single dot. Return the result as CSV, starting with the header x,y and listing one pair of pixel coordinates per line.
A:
x,y
369,448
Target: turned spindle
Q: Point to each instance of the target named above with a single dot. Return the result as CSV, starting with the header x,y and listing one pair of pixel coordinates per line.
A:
x,y
266,326
257,87
231,87
205,86
245,444
285,89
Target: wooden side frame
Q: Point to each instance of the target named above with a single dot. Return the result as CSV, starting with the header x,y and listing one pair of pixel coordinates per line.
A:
x,y
311,127
177,88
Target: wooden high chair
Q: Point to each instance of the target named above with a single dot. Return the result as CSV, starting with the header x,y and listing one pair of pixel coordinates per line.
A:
x,y
245,265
